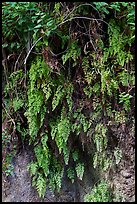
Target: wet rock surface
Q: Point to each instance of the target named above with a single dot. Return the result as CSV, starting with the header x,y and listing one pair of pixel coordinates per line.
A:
x,y
123,176
17,187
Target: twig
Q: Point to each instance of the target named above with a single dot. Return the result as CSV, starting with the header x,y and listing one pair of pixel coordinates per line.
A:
x,y
17,61
31,49
5,65
131,89
57,53
79,6
82,17
11,118
91,39
76,17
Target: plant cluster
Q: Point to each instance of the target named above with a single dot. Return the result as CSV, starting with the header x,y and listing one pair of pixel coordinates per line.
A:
x,y
75,84
100,193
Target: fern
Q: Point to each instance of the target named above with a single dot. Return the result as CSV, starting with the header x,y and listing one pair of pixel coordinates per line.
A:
x,y
80,122
80,170
100,193
100,141
17,104
41,185
70,174
118,155
88,91
105,76
46,90
56,174
37,71
125,98
119,117
75,155
57,97
73,52
117,44
54,130
63,133
39,155
99,88
89,76
66,153
33,167
69,92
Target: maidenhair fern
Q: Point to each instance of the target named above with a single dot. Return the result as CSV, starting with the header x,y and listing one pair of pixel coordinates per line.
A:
x,y
73,52
38,71
75,155
46,95
63,132
100,140
41,185
100,193
117,43
81,82
57,97
81,123
80,170
71,174
46,90
69,91
125,99
33,167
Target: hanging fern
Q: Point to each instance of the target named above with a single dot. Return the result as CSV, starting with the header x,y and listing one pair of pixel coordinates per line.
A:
x,y
41,185
71,174
73,52
80,170
57,97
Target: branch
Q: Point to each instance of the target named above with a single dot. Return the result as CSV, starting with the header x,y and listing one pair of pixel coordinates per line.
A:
x,y
17,60
82,17
11,118
86,4
31,49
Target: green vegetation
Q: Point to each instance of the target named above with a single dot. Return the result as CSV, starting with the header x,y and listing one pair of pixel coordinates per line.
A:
x,y
100,193
68,77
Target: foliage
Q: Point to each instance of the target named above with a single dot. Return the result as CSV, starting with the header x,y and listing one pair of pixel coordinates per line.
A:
x,y
72,52
100,193
41,185
63,131
117,154
71,97
80,170
36,97
58,95
117,7
125,98
71,174
100,140
7,154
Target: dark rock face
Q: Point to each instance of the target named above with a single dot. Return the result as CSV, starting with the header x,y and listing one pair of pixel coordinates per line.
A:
x,y
19,187
123,176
